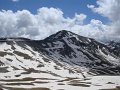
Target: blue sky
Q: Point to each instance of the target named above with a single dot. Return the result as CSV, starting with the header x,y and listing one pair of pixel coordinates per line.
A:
x,y
69,7
37,19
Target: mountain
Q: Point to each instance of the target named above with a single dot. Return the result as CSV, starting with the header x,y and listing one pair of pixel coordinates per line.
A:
x,y
115,47
63,54
81,51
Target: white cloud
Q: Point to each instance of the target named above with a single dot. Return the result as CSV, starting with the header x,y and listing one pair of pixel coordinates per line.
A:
x,y
110,9
46,22
15,0
79,18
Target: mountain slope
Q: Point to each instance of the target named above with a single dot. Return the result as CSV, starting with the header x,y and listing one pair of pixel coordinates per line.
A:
x,y
64,58
63,54
81,51
18,58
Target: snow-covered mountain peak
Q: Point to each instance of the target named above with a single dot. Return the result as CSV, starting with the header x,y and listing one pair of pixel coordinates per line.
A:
x,y
69,38
60,35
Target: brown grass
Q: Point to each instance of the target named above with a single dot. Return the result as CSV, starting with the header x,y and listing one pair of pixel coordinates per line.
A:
x,y
79,84
19,84
61,84
26,79
16,80
40,82
42,88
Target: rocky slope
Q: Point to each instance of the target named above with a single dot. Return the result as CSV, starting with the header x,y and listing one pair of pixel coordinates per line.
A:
x,y
63,54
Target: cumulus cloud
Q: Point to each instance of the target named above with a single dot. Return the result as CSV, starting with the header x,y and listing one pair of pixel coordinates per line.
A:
x,y
110,9
46,22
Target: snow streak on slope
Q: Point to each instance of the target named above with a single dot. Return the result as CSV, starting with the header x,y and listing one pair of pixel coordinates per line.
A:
x,y
14,58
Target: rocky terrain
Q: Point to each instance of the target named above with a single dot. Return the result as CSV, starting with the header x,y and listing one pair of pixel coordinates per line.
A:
x,y
62,61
